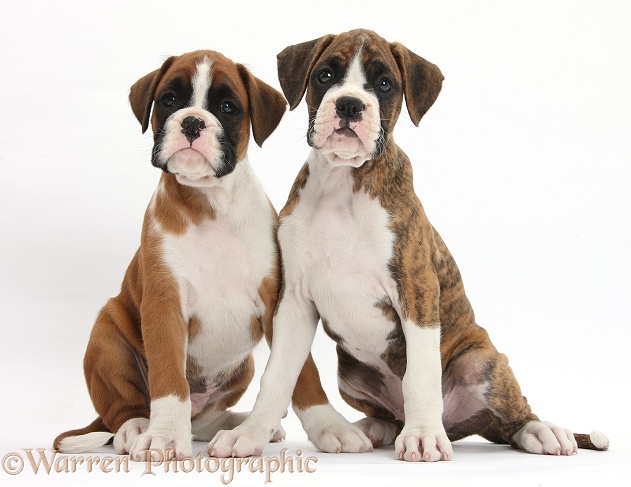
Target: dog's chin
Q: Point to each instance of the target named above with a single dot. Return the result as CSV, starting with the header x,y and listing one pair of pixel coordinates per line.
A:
x,y
192,168
197,182
344,148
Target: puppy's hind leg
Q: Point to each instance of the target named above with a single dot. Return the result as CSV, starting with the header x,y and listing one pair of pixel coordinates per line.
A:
x,y
481,396
516,424
115,374
379,425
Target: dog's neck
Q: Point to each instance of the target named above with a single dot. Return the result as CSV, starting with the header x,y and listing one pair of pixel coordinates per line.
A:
x,y
224,199
391,171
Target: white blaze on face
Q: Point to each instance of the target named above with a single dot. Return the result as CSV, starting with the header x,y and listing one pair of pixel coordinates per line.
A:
x,y
201,84
194,163
332,137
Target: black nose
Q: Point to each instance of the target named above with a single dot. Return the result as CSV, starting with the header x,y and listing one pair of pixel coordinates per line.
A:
x,y
191,127
349,107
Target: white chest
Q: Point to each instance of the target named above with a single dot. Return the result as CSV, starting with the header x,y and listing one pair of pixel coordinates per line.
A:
x,y
336,247
219,268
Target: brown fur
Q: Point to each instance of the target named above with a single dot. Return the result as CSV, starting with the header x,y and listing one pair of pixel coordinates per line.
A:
x,y
294,193
175,214
308,391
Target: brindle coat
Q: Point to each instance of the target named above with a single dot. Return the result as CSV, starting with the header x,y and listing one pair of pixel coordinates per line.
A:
x,y
428,281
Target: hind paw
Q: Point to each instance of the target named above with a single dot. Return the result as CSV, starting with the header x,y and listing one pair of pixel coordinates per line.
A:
x,y
378,431
127,434
545,438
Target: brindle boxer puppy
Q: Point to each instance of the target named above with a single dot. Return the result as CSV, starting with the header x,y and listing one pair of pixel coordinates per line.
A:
x,y
359,253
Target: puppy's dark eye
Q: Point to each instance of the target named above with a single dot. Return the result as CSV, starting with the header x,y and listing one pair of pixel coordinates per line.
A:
x,y
228,107
325,76
168,100
384,85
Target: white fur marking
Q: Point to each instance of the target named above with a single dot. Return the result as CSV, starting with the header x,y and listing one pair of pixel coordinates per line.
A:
x,y
330,432
169,429
355,77
422,380
84,443
337,244
545,438
599,440
219,266
201,84
423,437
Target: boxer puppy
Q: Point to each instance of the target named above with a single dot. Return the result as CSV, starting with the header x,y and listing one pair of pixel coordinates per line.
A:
x,y
359,253
172,351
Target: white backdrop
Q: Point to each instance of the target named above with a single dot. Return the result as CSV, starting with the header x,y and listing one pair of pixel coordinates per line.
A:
x,y
523,165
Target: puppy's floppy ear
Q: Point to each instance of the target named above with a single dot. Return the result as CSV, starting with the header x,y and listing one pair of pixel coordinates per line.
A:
x,y
142,92
267,106
422,81
295,64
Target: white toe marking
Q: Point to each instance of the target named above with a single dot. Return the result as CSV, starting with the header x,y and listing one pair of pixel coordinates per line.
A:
x,y
169,429
545,438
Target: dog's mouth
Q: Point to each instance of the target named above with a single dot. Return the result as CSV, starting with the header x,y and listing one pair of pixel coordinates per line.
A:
x,y
346,132
190,165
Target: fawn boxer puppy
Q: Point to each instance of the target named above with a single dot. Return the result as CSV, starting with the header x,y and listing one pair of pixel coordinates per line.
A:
x,y
359,253
172,351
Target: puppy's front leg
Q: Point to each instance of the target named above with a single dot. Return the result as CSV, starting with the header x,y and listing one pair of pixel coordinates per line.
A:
x,y
294,328
423,437
165,335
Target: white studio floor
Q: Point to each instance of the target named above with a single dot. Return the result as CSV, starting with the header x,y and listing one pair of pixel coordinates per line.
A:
x,y
523,165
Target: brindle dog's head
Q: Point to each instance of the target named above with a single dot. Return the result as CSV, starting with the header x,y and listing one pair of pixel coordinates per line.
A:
x,y
355,84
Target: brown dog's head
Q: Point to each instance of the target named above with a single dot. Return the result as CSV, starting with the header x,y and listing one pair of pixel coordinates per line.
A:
x,y
203,105
355,84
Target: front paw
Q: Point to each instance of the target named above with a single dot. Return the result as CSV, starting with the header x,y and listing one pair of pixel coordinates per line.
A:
x,y
161,446
242,441
423,445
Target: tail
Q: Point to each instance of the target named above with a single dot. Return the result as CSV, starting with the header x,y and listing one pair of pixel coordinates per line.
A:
x,y
95,435
594,441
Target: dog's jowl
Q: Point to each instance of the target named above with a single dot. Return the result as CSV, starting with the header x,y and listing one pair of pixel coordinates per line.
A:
x,y
171,353
360,255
